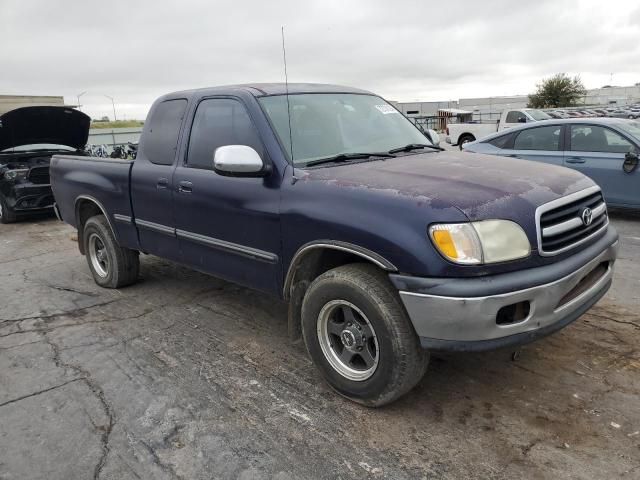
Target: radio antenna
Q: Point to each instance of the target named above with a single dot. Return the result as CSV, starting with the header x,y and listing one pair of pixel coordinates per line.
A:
x,y
286,86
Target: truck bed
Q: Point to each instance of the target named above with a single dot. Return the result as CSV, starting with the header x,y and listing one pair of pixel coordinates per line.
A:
x,y
106,181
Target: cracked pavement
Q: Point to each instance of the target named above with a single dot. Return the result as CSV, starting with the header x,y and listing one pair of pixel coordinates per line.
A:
x,y
184,376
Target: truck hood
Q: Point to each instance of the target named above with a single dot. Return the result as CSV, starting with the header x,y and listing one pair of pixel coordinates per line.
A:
x,y
481,186
48,125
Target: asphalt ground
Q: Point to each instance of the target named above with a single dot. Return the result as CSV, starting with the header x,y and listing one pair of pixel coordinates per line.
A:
x,y
184,376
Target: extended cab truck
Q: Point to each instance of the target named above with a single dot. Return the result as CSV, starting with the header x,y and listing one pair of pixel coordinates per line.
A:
x,y
385,247
461,133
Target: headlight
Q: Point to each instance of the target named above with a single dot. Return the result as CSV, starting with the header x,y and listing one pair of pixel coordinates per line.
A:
x,y
487,241
458,242
16,174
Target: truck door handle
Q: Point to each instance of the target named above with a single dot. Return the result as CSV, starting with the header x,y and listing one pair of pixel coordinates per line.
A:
x,y
185,187
575,160
162,183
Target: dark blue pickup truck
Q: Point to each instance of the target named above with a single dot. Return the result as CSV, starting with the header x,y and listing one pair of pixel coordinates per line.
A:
x,y
385,246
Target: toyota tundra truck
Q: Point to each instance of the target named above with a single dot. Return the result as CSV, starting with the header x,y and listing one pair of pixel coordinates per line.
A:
x,y
385,247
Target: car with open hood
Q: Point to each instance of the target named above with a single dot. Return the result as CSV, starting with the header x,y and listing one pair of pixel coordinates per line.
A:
x,y
29,136
385,247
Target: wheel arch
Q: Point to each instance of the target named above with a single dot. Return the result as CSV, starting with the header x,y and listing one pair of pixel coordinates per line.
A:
x,y
466,135
315,258
86,207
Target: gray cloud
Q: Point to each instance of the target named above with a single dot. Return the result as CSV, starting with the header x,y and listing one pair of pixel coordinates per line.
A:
x,y
404,50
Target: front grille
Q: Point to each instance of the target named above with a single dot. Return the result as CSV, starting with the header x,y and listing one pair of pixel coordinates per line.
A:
x,y
563,223
39,175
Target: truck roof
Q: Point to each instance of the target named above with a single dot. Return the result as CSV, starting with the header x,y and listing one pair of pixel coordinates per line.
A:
x,y
266,89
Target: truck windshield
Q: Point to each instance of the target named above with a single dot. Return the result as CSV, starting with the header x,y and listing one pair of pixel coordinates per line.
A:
x,y
324,125
537,115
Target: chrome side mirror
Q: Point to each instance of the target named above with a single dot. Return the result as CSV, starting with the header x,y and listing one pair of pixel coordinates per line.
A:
x,y
238,161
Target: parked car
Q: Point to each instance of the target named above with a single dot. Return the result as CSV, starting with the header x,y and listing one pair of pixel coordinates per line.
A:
x,y
29,136
604,149
385,246
624,114
461,133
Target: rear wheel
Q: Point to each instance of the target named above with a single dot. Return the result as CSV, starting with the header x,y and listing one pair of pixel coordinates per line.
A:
x,y
6,215
359,336
465,139
111,265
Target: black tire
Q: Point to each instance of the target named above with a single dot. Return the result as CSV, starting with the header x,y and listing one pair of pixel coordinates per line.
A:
x,y
466,138
401,361
119,266
6,215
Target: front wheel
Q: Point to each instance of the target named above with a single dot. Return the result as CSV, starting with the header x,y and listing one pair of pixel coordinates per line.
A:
x,y
358,335
465,139
111,265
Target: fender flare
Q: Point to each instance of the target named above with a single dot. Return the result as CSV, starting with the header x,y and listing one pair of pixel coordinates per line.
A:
x,y
97,203
362,252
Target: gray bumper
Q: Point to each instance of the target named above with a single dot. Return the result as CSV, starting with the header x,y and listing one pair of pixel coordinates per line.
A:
x,y
470,322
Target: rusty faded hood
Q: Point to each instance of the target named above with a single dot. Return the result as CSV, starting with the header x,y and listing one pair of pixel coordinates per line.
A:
x,y
482,186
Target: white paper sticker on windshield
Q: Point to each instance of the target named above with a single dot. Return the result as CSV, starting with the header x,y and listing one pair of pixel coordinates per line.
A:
x,y
386,109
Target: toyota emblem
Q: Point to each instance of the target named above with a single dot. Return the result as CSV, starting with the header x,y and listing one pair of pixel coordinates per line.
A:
x,y
587,216
348,339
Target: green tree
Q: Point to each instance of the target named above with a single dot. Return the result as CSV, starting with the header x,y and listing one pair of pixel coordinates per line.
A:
x,y
557,91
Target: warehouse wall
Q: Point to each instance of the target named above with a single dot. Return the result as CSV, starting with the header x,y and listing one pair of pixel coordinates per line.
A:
x,y
487,105
11,102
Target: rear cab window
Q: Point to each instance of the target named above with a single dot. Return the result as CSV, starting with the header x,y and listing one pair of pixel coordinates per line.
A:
x,y
515,116
162,130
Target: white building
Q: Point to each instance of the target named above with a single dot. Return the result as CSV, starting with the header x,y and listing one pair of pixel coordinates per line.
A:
x,y
11,102
492,106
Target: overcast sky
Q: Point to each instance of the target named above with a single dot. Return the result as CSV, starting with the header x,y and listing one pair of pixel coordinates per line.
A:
x,y
407,50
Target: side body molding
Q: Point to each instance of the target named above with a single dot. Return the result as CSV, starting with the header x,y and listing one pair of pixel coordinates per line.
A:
x,y
365,253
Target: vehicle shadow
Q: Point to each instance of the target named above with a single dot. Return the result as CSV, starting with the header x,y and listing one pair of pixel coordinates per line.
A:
x,y
624,214
34,217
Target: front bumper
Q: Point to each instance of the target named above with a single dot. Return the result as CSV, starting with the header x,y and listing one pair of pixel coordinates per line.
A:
x,y
452,316
29,197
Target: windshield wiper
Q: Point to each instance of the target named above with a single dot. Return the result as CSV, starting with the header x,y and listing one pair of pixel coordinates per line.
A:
x,y
345,157
414,146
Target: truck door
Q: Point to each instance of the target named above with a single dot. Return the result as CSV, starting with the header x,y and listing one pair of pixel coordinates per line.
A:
x,y
599,153
227,226
152,179
514,118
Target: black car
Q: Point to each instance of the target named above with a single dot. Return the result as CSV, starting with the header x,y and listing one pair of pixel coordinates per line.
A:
x,y
29,136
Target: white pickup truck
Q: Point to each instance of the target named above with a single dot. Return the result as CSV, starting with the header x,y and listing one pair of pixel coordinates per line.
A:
x,y
461,133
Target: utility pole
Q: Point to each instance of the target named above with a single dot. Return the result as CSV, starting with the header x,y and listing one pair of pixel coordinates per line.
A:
x,y
114,107
78,96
